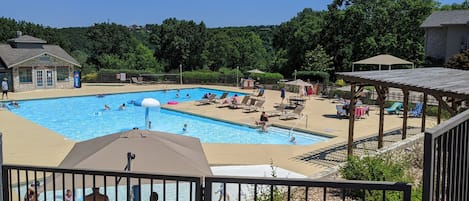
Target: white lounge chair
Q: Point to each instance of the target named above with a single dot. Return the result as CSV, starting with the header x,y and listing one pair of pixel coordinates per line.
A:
x,y
295,114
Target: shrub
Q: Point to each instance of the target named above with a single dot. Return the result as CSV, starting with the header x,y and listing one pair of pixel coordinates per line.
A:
x,y
90,77
340,83
379,168
201,77
268,78
314,76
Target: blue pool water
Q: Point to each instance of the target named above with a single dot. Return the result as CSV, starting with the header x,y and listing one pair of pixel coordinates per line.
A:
x,y
83,118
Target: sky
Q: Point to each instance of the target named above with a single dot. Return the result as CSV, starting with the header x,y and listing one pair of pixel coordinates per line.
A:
x,y
214,13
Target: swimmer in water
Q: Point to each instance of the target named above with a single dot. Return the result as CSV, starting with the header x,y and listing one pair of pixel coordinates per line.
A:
x,y
184,128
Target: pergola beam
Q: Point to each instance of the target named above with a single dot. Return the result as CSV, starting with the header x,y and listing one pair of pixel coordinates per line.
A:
x,y
351,120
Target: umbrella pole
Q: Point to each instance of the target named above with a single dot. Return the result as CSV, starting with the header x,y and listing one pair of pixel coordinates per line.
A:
x,y
147,118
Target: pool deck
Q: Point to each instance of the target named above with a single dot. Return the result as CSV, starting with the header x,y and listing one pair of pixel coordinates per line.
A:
x,y
27,143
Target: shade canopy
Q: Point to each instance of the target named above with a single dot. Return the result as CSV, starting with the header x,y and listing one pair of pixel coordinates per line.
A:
x,y
298,82
155,152
255,71
383,59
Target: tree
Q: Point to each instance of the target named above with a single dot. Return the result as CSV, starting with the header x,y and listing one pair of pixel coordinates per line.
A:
x,y
179,42
109,39
142,59
318,60
459,61
296,36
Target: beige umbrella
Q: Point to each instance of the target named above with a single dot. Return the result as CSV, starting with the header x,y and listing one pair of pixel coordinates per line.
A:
x,y
256,71
152,151
298,82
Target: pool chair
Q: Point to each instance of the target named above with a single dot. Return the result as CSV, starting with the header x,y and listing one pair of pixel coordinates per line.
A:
x,y
221,98
207,101
295,114
395,108
136,81
341,112
254,108
279,110
417,111
243,103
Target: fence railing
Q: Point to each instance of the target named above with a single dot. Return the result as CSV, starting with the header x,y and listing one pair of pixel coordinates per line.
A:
x,y
45,183
53,183
446,160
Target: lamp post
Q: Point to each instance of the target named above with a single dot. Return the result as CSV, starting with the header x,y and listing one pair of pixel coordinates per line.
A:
x,y
295,75
237,77
180,73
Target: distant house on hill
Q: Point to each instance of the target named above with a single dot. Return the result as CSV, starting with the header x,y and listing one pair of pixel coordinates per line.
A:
x,y
30,63
446,34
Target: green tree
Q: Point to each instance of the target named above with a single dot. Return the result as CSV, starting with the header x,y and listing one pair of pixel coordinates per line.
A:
x,y
179,42
318,60
109,39
142,59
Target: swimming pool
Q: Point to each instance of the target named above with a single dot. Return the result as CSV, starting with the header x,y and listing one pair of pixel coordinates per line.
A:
x,y
83,118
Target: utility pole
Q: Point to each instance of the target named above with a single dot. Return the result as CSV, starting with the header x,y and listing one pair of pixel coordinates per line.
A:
x,y
237,77
180,73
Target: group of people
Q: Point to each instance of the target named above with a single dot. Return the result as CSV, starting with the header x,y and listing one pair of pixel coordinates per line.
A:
x,y
121,107
31,195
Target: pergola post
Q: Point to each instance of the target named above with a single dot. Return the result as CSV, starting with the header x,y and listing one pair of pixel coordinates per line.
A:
x,y
381,98
406,108
424,111
438,119
351,120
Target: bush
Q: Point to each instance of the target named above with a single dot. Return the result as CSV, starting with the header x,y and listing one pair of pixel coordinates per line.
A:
x,y
340,83
90,77
192,77
314,76
379,168
268,78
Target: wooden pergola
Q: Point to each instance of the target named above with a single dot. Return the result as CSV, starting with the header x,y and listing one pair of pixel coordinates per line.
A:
x,y
450,87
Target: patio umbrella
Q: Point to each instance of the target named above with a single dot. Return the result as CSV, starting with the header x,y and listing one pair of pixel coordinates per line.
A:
x,y
301,85
153,152
256,71
298,82
147,103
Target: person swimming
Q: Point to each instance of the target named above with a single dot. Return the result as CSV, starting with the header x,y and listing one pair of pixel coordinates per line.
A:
x,y
293,139
184,128
122,107
106,107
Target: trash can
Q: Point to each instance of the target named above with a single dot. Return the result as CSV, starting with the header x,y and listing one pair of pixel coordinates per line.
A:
x,y
76,79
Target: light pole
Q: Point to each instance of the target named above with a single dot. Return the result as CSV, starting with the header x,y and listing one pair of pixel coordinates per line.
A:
x,y
180,73
237,77
295,75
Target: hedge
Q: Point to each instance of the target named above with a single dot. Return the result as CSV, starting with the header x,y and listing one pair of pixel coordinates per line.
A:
x,y
313,76
268,78
193,77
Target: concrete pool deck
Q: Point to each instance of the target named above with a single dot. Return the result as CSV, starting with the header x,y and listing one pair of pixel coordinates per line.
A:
x,y
30,144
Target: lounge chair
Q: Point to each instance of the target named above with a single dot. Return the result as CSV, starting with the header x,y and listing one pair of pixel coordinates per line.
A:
x,y
295,114
207,101
395,108
254,108
136,81
223,96
279,110
417,111
243,103
341,112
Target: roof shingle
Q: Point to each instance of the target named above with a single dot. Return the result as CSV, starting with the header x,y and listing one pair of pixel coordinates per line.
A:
x,y
13,56
442,18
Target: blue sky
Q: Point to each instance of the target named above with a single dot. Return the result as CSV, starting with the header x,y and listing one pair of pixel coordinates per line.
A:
x,y
215,13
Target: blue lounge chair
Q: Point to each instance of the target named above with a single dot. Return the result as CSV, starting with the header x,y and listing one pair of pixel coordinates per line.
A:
x,y
417,111
395,108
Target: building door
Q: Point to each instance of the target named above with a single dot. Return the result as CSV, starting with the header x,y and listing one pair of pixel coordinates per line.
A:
x,y
44,79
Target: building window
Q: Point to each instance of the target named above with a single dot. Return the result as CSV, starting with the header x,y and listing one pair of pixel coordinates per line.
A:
x,y
26,74
63,73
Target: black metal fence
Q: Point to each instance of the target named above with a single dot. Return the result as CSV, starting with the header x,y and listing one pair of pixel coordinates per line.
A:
x,y
53,183
446,160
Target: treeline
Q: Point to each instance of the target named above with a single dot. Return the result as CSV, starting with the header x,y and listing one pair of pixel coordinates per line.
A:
x,y
320,41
